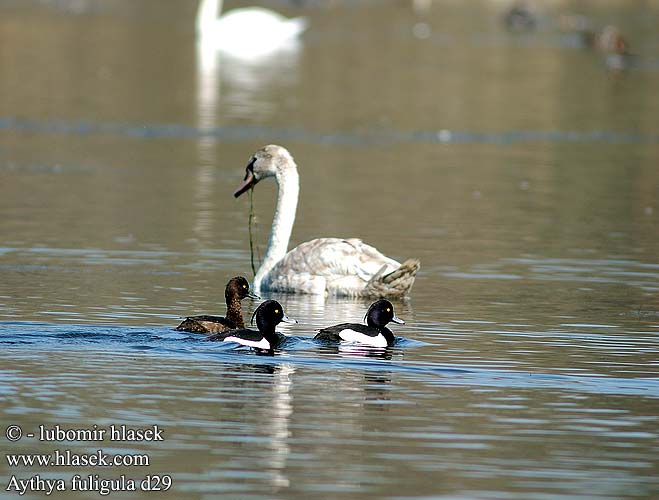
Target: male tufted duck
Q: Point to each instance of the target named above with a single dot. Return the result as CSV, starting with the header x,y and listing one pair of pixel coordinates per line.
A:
x,y
268,316
375,333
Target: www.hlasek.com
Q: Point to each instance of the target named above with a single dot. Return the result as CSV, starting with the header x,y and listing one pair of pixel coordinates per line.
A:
x,y
67,458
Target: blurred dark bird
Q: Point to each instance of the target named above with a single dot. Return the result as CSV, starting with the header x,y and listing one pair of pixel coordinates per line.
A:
x,y
615,48
609,41
519,18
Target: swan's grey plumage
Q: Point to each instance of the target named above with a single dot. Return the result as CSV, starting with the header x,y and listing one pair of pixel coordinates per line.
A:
x,y
330,266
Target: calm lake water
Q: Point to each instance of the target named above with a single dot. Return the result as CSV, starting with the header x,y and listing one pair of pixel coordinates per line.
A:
x,y
520,171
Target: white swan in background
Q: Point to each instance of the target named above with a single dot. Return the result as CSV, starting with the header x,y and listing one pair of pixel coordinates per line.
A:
x,y
329,266
248,32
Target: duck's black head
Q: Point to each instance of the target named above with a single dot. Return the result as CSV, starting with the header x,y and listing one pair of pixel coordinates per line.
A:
x,y
269,315
380,313
238,287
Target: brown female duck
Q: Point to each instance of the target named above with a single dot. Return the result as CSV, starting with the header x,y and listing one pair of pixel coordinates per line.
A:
x,y
236,290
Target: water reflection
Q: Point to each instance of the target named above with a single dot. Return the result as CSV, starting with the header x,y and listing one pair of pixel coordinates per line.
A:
x,y
208,95
279,422
248,83
251,84
355,351
244,88
272,411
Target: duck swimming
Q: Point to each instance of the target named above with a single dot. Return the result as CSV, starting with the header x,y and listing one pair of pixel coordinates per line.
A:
x,y
375,333
268,316
329,266
237,289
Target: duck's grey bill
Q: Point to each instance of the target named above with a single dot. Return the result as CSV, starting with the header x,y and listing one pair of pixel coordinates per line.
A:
x,y
396,319
252,295
286,319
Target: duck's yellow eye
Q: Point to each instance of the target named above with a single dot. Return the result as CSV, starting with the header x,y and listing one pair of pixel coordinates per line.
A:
x,y
388,310
244,286
276,311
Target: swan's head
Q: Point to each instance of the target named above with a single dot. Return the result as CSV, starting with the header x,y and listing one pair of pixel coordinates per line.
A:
x,y
270,161
380,313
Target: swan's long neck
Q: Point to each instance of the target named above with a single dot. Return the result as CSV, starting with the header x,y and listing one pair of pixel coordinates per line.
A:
x,y
282,224
207,14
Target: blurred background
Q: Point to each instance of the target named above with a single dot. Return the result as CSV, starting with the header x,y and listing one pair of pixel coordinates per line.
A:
x,y
457,134
513,147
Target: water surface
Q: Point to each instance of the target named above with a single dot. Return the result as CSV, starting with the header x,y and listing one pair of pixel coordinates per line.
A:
x,y
519,169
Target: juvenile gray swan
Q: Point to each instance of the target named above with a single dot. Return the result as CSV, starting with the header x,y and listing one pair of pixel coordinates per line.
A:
x,y
329,266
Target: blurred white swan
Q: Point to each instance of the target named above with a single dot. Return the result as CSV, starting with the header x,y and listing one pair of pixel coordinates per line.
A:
x,y
329,266
248,32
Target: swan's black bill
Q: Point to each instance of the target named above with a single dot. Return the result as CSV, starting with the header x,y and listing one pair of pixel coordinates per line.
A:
x,y
248,182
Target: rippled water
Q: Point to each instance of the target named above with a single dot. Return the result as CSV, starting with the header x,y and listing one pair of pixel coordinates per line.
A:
x,y
519,169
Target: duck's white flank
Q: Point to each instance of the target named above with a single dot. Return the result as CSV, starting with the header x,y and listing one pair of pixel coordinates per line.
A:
x,y
261,344
353,336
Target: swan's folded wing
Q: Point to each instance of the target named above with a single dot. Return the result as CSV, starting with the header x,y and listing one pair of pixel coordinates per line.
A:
x,y
338,265
337,257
